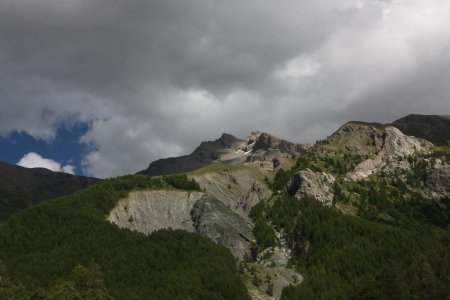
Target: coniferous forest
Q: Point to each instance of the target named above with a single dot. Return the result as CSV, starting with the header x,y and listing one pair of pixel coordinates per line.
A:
x,y
395,247
65,249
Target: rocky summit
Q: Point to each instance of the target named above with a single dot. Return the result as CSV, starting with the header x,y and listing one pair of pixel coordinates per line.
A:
x,y
257,147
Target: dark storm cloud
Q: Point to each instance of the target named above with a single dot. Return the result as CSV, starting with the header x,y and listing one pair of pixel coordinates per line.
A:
x,y
156,77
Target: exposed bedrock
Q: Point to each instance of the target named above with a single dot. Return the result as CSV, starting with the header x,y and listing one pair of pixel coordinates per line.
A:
x,y
148,211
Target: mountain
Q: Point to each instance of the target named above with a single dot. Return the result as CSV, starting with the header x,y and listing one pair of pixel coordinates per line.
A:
x,y
362,214
203,155
227,149
22,187
359,206
435,128
66,249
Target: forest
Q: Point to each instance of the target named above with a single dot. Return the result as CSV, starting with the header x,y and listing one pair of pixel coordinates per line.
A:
x,y
396,246
52,249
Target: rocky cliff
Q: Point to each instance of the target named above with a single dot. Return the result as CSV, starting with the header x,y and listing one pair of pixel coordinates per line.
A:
x,y
391,154
148,211
211,218
318,185
239,189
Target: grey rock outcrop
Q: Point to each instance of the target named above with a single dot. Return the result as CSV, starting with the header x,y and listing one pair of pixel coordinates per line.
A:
x,y
256,193
148,211
438,179
237,189
273,261
396,146
211,218
314,184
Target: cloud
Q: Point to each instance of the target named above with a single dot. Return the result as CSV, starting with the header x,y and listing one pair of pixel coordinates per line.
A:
x,y
154,78
34,160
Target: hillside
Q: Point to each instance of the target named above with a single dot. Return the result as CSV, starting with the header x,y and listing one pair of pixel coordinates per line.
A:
x,y
22,187
434,128
362,217
42,245
363,214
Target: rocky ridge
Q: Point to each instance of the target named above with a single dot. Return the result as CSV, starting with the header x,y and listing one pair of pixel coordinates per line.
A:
x,y
257,147
395,147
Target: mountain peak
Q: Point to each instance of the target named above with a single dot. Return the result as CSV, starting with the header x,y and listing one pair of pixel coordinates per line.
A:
x,y
227,140
227,149
267,141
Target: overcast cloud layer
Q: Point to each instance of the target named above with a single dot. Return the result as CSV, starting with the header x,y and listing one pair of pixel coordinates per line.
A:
x,y
156,77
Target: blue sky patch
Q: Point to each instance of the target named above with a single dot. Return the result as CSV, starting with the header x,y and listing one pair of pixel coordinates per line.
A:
x,y
65,148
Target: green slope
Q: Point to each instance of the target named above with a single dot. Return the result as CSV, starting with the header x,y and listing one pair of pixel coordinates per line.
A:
x,y
45,243
394,246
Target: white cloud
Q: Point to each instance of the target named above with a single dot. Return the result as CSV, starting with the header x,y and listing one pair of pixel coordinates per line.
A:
x,y
69,169
34,160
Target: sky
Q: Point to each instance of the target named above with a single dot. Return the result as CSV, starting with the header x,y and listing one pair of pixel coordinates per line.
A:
x,y
104,87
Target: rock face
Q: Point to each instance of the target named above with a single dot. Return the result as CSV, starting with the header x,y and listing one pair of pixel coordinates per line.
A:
x,y
314,184
396,146
238,189
256,193
438,179
211,218
433,128
148,211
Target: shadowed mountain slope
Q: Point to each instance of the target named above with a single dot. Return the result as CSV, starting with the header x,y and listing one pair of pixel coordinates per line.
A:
x,y
434,128
22,187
